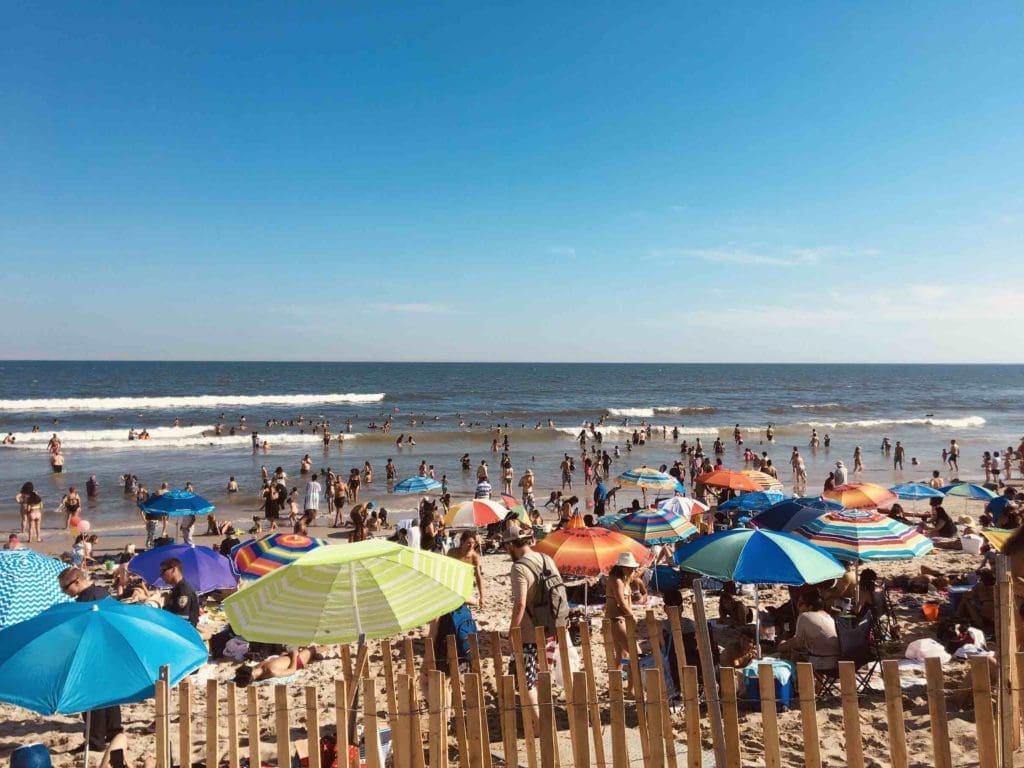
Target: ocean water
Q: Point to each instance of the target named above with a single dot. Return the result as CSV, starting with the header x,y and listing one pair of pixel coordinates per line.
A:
x,y
457,407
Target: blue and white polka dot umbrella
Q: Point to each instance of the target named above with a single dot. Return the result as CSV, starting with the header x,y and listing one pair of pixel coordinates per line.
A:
x,y
28,585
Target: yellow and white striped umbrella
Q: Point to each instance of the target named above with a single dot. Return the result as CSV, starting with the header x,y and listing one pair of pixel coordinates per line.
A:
x,y
766,481
340,593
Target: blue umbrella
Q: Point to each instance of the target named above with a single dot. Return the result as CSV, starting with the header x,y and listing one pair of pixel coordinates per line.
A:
x,y
997,506
794,513
177,504
28,585
969,491
755,501
204,568
418,484
607,521
82,656
916,491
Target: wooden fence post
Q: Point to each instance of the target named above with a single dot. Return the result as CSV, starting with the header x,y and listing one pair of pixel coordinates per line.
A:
x,y
476,720
851,714
390,702
808,714
984,715
252,729
163,742
769,716
730,718
562,637
1009,714
371,730
653,701
594,709
636,684
508,720
894,713
620,750
500,670
691,703
231,695
937,713
185,721
707,665
341,719
579,705
401,730
282,726
458,704
438,736
313,726
525,708
212,723
654,637
548,735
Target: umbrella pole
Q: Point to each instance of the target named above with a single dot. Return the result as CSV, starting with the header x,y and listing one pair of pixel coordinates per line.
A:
x,y
352,735
88,727
757,618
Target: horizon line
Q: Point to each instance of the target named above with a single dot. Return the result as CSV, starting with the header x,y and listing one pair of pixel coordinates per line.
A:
x,y
501,362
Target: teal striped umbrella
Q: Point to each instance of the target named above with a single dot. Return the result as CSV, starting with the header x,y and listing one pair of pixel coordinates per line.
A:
x,y
655,526
343,593
969,491
861,535
28,585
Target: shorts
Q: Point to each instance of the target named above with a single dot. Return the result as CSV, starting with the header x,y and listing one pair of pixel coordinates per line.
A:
x,y
529,664
58,470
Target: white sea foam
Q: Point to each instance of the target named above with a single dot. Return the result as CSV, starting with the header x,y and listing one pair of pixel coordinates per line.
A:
x,y
965,422
817,406
159,437
617,430
188,401
647,413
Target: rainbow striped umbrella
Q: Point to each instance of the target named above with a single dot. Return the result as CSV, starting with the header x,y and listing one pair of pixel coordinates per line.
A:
x,y
655,526
256,558
861,495
581,551
861,535
474,513
763,479
727,478
646,477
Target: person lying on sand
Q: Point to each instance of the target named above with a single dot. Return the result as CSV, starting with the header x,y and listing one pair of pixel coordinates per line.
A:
x,y
285,665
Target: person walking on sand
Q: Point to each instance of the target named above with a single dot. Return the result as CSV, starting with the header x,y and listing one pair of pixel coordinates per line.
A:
x,y
618,606
858,461
953,458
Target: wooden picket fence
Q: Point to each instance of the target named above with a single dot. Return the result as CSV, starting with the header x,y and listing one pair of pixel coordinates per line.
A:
x,y
475,718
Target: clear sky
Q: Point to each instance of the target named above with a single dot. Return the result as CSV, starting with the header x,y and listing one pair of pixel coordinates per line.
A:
x,y
742,181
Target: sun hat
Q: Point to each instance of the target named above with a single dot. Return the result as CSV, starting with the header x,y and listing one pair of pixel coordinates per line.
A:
x,y
626,560
966,520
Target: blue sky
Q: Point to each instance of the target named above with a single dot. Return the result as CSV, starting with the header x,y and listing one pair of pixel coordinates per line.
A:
x,y
451,181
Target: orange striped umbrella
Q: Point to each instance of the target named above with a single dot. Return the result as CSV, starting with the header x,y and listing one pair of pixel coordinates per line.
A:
x,y
861,496
727,478
763,479
581,551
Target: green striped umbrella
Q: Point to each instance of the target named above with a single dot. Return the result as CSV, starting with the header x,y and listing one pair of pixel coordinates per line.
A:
x,y
342,593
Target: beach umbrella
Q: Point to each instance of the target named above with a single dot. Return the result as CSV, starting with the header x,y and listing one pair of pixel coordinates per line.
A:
x,y
608,521
861,535
998,505
417,484
646,477
28,585
916,492
997,537
683,506
753,501
753,556
258,557
969,491
763,479
861,495
77,657
655,526
204,568
791,514
176,504
474,513
510,501
727,478
581,551
340,593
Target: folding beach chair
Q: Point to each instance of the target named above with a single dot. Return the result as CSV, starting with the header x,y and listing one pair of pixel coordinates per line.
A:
x,y
857,643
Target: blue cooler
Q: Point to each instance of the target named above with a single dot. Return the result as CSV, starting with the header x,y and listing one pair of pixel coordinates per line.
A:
x,y
783,690
956,594
31,756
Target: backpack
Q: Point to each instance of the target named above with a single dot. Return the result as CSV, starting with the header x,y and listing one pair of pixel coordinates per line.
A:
x,y
551,607
460,623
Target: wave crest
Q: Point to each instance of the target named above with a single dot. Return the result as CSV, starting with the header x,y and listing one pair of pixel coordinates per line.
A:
x,y
187,401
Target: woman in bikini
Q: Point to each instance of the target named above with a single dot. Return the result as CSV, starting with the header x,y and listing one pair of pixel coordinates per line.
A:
x,y
618,606
71,502
285,665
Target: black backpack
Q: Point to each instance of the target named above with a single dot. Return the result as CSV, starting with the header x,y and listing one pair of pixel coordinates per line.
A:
x,y
551,608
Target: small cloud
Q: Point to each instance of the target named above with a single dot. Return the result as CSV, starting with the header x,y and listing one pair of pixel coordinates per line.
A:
x,y
416,308
562,250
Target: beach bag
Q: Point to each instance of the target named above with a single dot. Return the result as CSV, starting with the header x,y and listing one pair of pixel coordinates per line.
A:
x,y
459,623
554,659
551,607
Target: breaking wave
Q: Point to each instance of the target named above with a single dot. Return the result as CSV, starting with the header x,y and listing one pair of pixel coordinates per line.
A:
x,y
188,401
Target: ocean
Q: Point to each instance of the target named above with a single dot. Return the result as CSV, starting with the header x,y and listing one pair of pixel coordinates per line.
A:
x,y
456,407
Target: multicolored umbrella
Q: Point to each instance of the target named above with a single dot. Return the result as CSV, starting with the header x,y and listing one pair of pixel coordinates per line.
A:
x,y
970,491
763,479
510,501
176,504
581,551
28,585
788,515
752,556
753,501
861,496
655,526
727,478
475,513
860,535
204,568
417,484
341,593
648,478
683,506
916,492
256,558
